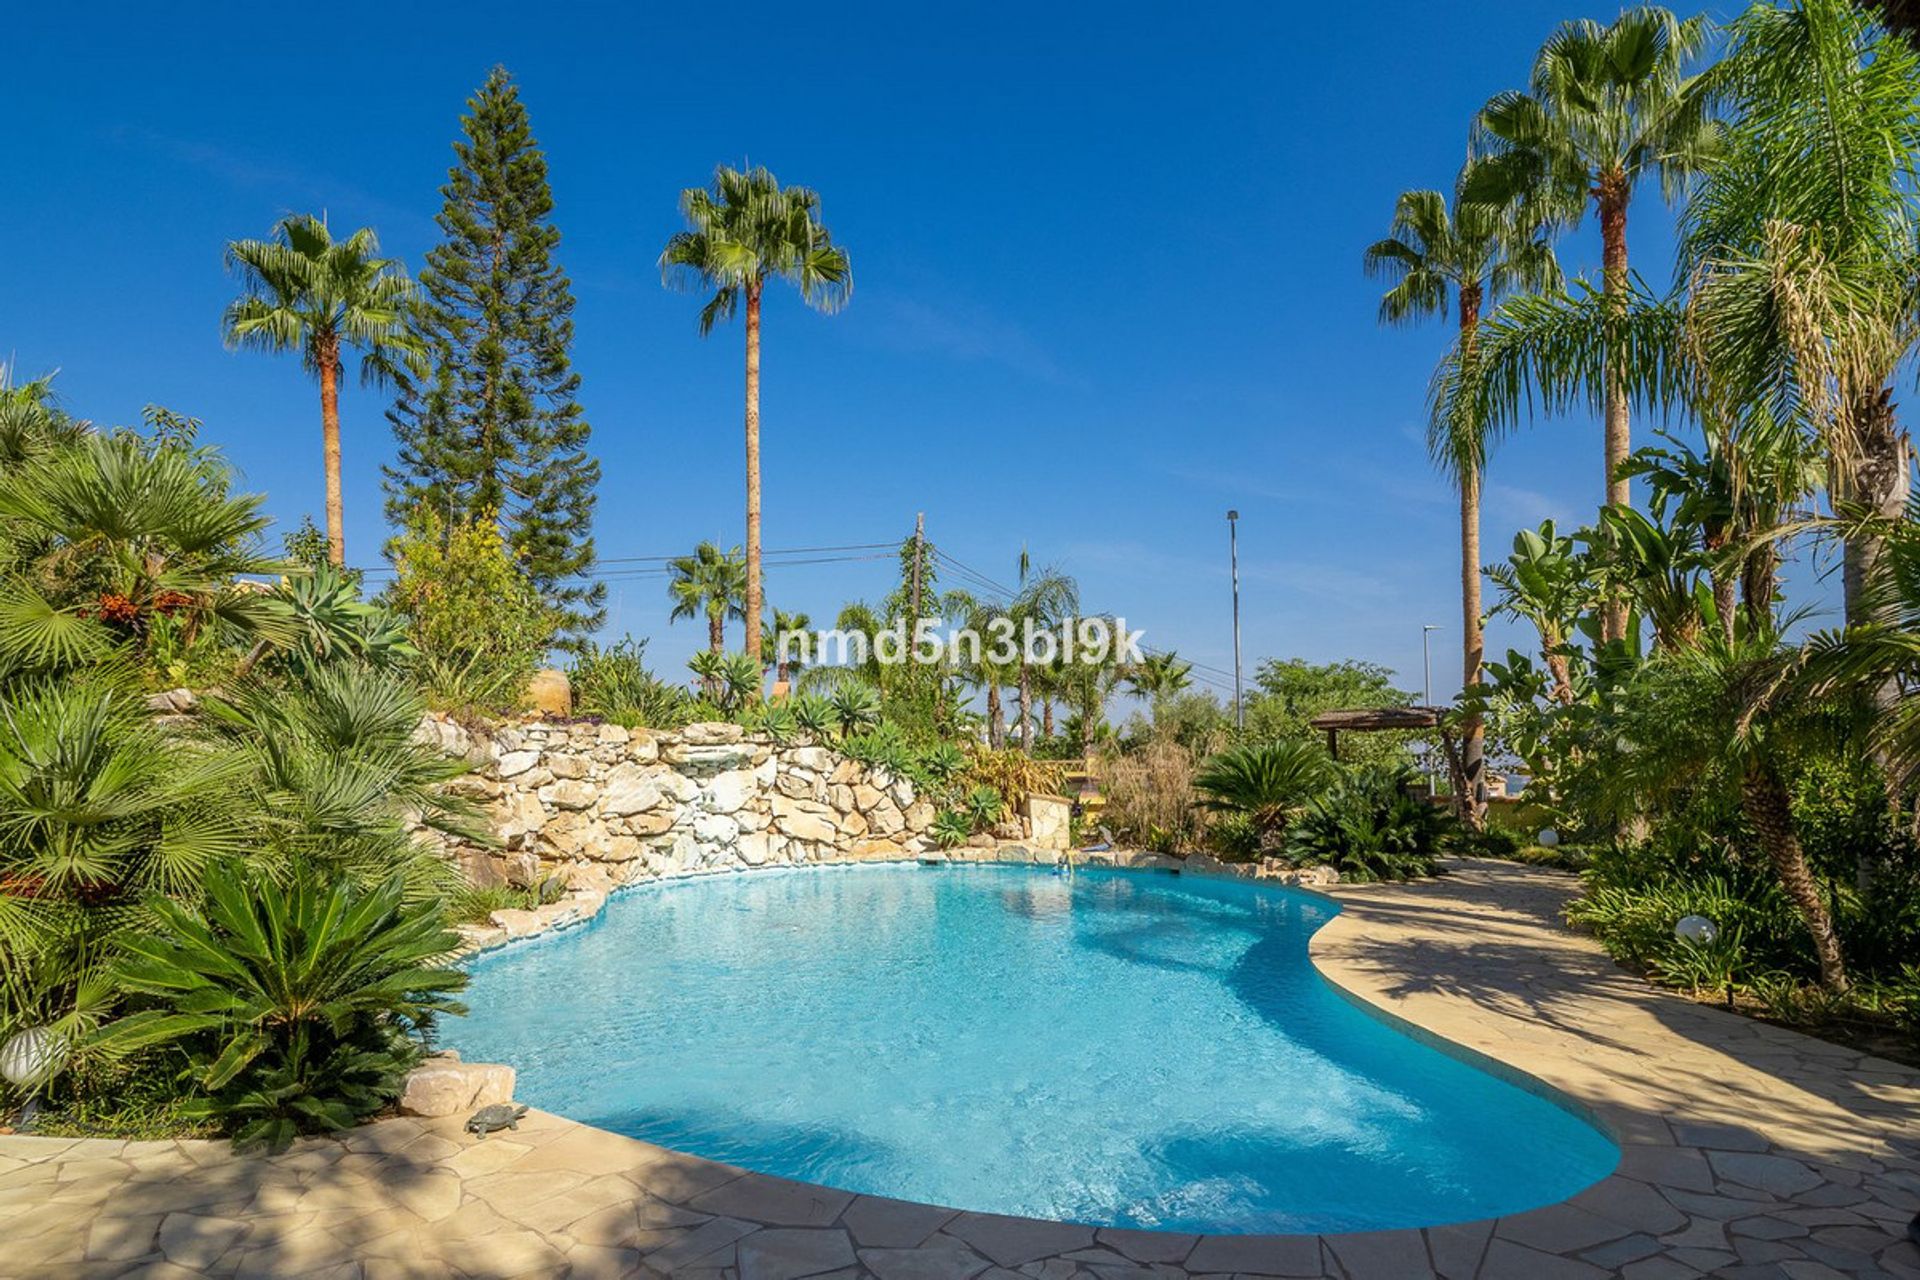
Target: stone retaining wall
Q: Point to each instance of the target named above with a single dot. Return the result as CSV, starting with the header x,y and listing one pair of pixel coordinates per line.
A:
x,y
603,806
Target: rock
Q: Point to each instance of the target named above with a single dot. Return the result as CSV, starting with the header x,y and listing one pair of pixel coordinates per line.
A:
x,y
643,747
886,819
865,797
653,823
1048,820
522,869
715,828
815,759
568,794
711,733
728,791
630,789
448,1087
981,841
878,849
919,816
852,824
569,766
514,763
621,849
611,735
811,827
756,850
550,692
442,734
173,702
902,792
799,786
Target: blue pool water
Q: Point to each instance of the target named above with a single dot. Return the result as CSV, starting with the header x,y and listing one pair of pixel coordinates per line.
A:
x,y
1117,1048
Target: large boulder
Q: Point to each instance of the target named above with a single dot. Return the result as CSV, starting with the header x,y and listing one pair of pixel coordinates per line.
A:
x,y
443,1086
1048,820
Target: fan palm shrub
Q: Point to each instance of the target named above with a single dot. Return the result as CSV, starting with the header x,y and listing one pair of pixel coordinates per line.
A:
x,y
301,1006
1269,782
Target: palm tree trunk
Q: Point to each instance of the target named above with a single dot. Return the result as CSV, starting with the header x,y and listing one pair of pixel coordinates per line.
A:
x,y
996,737
716,632
1046,717
328,357
1612,195
1025,691
1472,797
753,470
1770,811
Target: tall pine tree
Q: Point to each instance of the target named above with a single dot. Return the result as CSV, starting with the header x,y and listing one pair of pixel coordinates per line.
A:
x,y
495,427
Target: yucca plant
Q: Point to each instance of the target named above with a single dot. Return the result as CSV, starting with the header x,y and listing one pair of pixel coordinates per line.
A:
x,y
1269,782
301,1007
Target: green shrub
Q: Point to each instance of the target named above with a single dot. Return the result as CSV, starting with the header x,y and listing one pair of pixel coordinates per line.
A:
x,y
300,1008
615,684
480,626
813,713
985,807
1233,837
1371,826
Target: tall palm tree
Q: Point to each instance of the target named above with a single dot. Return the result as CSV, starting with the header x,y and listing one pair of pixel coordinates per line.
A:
x,y
744,230
1159,675
307,292
1607,106
1468,258
1044,598
981,668
709,584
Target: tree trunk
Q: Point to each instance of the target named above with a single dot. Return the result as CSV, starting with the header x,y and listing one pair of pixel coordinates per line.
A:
x,y
1025,692
753,471
1877,486
1612,196
1046,717
328,357
1471,796
1770,810
996,735
1725,603
716,631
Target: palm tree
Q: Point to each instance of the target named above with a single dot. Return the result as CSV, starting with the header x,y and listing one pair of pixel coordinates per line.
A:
x,y
1159,675
1802,252
1044,598
773,643
744,230
1608,106
710,583
307,292
1470,258
981,667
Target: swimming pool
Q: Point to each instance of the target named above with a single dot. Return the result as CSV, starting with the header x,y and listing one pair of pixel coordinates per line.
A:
x,y
1117,1048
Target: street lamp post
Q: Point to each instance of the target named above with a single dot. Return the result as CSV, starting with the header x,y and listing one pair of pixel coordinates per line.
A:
x,y
1233,558
1426,659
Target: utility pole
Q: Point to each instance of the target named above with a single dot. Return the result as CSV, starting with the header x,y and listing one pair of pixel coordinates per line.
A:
x,y
919,550
1233,557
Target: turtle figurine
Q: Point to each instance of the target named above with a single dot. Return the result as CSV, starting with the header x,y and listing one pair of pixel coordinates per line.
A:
x,y
501,1115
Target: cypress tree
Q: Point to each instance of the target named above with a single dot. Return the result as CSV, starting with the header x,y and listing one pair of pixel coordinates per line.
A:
x,y
496,427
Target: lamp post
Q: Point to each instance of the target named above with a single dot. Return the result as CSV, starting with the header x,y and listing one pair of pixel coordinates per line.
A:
x,y
1233,560
1426,661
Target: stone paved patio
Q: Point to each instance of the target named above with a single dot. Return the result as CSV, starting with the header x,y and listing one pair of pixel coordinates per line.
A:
x,y
1749,1151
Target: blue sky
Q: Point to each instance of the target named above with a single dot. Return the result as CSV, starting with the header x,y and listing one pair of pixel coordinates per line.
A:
x,y
1106,263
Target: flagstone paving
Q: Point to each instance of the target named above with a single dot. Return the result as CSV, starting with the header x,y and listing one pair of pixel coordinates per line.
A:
x,y
1748,1151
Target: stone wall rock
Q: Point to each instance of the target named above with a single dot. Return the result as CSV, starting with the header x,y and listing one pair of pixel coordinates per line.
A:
x,y
601,806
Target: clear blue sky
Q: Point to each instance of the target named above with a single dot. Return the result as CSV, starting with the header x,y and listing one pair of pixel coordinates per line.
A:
x,y
1107,270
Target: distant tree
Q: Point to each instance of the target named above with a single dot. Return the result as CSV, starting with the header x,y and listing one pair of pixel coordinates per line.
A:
x,y
1289,692
305,291
496,426
742,232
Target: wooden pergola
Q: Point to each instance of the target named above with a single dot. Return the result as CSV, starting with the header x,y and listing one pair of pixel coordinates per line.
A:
x,y
1373,720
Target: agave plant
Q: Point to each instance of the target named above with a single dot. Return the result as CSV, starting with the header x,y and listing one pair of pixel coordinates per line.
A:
x,y
951,828
984,806
856,705
1269,782
300,1007
814,713
775,719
